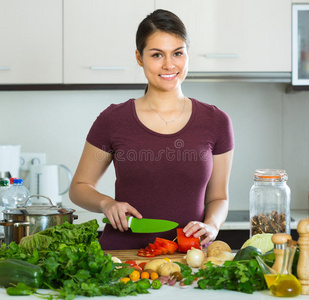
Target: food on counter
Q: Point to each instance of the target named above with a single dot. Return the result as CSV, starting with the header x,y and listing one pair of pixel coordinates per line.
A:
x,y
73,262
168,269
155,264
272,222
247,253
195,258
261,241
225,255
156,284
216,247
159,247
243,276
116,260
186,243
13,271
215,260
135,275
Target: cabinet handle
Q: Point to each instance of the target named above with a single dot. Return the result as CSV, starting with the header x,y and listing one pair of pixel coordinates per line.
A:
x,y
5,68
224,55
106,68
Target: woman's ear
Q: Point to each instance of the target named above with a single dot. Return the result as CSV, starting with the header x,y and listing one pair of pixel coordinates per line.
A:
x,y
139,58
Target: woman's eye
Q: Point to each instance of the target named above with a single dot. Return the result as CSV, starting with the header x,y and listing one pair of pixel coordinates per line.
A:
x,y
179,53
157,55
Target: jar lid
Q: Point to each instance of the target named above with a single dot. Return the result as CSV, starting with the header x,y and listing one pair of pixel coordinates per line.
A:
x,y
271,175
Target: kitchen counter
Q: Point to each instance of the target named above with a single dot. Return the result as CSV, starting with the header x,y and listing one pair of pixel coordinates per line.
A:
x,y
297,215
175,292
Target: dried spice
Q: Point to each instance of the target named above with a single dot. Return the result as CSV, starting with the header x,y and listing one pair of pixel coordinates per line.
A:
x,y
268,223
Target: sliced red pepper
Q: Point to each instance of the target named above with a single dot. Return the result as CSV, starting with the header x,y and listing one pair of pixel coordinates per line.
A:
x,y
186,243
145,254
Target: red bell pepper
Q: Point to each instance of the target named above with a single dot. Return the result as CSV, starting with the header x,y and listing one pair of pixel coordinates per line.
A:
x,y
186,243
159,247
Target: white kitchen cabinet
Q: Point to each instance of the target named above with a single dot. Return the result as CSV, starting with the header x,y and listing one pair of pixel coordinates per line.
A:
x,y
99,40
236,35
31,41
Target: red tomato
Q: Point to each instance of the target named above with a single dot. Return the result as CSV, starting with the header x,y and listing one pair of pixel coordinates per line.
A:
x,y
142,264
132,263
138,268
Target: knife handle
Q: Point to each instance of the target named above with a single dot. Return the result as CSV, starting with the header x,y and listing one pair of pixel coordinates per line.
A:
x,y
105,220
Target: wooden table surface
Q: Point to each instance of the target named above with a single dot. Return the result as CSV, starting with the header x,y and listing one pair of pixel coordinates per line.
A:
x,y
125,255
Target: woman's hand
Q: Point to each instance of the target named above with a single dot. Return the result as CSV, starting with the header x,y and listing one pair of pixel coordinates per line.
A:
x,y
207,232
116,212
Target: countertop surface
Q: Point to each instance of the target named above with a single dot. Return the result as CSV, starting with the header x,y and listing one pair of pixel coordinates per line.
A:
x,y
174,292
297,215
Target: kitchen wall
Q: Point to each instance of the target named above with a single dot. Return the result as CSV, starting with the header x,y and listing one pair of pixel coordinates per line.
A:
x,y
271,129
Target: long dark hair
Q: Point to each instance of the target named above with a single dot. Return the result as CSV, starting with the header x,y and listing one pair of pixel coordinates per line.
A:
x,y
160,20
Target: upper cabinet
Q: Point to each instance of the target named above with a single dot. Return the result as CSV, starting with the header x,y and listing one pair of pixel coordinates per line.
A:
x,y
99,40
236,36
31,41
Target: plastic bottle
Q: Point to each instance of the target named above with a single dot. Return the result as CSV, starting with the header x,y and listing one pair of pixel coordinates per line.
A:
x,y
4,186
16,195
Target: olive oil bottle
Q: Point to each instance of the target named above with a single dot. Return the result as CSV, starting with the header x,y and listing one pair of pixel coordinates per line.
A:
x,y
286,284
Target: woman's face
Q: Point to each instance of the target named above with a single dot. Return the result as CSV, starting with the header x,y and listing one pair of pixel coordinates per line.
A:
x,y
165,61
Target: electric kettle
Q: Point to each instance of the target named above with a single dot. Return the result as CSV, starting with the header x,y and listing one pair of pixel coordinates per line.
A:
x,y
52,181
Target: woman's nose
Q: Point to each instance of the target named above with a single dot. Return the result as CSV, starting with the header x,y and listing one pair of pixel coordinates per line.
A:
x,y
168,63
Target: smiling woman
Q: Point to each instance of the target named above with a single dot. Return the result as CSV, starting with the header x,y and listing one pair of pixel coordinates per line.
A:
x,y
172,154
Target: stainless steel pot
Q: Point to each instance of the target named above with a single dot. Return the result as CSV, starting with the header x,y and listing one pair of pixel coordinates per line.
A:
x,y
27,220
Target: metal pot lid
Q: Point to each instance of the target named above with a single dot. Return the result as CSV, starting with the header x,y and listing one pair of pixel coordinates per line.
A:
x,y
40,210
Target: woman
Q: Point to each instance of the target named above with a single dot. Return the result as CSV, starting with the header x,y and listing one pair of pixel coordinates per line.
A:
x,y
172,154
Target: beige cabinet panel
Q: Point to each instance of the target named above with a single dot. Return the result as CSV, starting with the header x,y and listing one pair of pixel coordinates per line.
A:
x,y
30,41
99,40
236,35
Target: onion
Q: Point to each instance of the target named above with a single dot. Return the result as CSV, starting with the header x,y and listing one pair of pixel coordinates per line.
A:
x,y
195,258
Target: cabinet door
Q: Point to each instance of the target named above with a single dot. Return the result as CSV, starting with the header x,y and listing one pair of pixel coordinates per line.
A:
x,y
99,40
31,41
236,35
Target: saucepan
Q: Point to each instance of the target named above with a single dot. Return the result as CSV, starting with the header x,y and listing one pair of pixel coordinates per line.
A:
x,y
30,219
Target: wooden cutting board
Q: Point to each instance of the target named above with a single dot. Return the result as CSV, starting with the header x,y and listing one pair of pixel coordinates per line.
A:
x,y
125,255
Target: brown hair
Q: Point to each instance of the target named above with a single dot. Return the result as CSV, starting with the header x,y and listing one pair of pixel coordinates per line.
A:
x,y
159,20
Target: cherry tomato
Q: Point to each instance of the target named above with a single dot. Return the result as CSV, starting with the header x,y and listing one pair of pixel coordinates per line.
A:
x,y
132,263
138,268
135,275
142,264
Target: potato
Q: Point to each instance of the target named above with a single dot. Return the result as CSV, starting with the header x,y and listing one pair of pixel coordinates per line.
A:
x,y
213,259
225,256
155,264
216,247
168,269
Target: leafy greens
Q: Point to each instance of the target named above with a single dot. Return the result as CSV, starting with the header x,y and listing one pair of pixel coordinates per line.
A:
x,y
73,261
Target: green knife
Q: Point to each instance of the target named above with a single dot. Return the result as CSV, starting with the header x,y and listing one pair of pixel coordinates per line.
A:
x,y
148,225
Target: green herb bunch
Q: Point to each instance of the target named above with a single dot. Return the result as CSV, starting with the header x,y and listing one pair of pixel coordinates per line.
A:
x,y
73,262
244,276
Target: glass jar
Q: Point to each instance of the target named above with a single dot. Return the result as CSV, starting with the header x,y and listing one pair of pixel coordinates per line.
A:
x,y
270,202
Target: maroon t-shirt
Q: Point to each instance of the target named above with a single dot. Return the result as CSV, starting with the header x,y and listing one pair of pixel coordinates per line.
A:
x,y
164,176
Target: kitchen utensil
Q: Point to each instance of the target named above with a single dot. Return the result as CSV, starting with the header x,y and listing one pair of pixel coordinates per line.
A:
x,y
9,161
45,180
27,220
148,225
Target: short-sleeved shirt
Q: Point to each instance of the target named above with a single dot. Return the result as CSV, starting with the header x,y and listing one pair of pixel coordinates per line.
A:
x,y
164,176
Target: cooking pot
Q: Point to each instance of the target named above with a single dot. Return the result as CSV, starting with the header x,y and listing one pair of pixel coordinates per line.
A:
x,y
28,220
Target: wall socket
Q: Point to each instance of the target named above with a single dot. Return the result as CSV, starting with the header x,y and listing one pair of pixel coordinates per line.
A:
x,y
29,158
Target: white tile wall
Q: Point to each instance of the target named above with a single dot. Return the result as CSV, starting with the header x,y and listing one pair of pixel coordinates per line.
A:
x,y
271,129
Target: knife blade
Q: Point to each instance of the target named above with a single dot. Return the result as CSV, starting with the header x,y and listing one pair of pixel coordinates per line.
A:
x,y
147,225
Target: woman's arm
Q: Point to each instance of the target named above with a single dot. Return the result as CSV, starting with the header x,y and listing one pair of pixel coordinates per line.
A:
x,y
92,165
216,200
